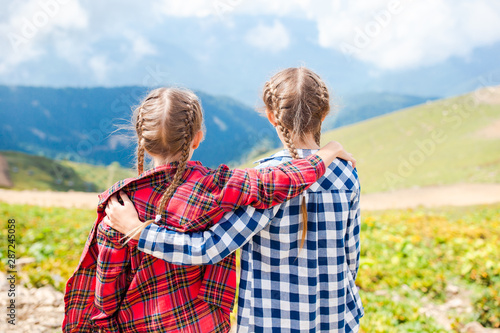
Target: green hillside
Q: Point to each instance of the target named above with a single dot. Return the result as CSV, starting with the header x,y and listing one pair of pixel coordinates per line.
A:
x,y
443,142
36,172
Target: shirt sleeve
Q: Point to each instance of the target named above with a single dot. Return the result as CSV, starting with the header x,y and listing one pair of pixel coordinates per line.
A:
x,y
113,267
352,235
208,247
267,187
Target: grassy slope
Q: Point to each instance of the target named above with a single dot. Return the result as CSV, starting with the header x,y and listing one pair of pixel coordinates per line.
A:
x,y
432,144
36,172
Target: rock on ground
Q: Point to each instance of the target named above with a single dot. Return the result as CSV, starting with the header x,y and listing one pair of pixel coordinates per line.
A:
x,y
37,309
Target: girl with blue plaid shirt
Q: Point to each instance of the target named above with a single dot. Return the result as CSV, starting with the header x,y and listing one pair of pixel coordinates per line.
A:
x,y
299,260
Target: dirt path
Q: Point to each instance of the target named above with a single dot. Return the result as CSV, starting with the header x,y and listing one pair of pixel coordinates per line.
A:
x,y
451,195
50,199
433,196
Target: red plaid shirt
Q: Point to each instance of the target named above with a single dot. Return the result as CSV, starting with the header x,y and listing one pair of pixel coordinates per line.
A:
x,y
117,288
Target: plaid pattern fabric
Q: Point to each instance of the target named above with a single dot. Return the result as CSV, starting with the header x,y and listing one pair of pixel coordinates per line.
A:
x,y
284,288
117,288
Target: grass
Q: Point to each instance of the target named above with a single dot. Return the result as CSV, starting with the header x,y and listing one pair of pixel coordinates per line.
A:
x,y
36,172
53,236
416,253
437,143
411,254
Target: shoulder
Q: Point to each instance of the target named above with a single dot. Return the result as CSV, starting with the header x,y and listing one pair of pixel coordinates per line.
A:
x,y
104,196
151,179
274,160
339,175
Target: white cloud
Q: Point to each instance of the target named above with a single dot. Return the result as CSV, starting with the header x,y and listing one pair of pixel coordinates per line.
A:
x,y
29,24
416,33
140,45
100,67
86,37
271,38
190,8
413,34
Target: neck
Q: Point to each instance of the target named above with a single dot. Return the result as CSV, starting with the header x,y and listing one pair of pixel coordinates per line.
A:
x,y
157,161
307,143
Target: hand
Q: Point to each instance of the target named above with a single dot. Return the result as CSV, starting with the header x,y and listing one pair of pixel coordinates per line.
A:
x,y
122,218
333,150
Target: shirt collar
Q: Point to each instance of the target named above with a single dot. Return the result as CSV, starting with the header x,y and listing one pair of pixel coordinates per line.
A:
x,y
285,153
151,173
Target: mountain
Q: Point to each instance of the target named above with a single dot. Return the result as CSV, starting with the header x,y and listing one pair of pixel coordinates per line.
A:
x,y
353,108
83,124
80,124
448,141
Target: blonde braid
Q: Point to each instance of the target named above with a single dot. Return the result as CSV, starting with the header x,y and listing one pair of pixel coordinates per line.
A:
x,y
284,131
299,100
272,94
181,168
140,146
324,98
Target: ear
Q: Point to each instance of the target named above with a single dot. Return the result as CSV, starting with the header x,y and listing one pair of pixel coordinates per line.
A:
x,y
323,118
270,117
198,137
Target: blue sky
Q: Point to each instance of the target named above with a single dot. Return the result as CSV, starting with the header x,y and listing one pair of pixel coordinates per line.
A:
x,y
230,47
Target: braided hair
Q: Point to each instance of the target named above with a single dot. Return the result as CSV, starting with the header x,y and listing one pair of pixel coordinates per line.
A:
x,y
299,101
166,123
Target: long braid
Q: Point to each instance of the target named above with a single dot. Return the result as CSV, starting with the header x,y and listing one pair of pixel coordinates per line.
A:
x,y
283,130
299,101
140,146
181,168
325,102
277,110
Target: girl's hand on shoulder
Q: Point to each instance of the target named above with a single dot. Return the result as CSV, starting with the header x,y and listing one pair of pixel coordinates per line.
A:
x,y
333,150
122,218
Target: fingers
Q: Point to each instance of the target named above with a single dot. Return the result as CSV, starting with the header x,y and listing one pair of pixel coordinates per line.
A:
x,y
113,200
125,198
352,159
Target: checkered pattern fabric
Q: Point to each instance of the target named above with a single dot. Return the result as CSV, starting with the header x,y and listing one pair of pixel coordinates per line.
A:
x,y
117,288
284,288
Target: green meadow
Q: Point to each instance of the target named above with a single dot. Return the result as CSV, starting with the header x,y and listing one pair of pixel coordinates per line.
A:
x,y
408,258
438,143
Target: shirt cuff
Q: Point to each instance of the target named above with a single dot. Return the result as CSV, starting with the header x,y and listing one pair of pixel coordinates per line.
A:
x,y
147,240
318,164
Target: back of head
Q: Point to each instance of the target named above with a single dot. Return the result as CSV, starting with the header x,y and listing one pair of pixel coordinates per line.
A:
x,y
299,99
166,123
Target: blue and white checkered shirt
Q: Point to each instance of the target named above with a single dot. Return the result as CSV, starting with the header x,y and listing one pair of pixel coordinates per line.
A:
x,y
284,288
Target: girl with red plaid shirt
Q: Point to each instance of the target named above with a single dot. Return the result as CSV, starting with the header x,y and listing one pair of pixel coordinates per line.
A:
x,y
117,288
